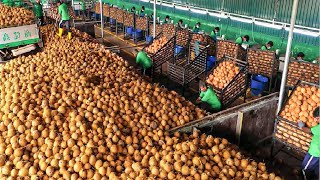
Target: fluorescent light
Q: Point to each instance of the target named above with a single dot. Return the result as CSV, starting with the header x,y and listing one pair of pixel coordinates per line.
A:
x,y
304,32
219,15
241,19
145,1
270,25
198,11
182,8
167,5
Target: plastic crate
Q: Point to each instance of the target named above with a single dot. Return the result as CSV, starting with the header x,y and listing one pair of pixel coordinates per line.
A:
x,y
159,28
304,71
236,87
262,62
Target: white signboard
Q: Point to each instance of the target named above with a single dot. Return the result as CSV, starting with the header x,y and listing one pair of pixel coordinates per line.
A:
x,y
20,33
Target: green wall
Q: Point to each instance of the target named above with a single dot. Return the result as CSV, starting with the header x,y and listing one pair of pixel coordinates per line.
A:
x,y
233,29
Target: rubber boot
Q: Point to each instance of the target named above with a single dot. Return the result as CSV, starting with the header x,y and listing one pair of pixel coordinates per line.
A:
x,y
69,35
60,32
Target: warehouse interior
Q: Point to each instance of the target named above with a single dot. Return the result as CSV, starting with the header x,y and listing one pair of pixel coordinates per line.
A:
x,y
153,89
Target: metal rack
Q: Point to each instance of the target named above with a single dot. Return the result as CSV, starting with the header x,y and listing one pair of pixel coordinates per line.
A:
x,y
302,70
188,69
230,49
164,54
288,133
236,87
263,63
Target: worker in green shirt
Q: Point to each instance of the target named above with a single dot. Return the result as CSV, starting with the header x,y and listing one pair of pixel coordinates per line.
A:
x,y
65,19
38,12
8,2
268,46
214,33
311,160
180,24
208,96
18,3
300,56
83,9
244,39
167,20
196,28
142,11
144,60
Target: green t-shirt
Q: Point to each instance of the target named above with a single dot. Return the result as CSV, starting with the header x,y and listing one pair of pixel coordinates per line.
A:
x,y
83,5
143,59
239,40
8,2
64,12
37,10
195,29
314,149
211,98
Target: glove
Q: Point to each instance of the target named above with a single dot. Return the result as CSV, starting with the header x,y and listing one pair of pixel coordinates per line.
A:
x,y
301,124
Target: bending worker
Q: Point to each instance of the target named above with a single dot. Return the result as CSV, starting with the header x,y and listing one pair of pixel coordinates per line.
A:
x,y
144,60
214,33
180,24
196,28
142,11
65,19
38,12
244,39
300,56
268,46
310,163
209,97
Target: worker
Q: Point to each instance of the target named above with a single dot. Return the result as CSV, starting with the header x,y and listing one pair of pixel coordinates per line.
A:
x,y
144,60
65,18
83,9
208,96
214,33
300,56
311,160
268,46
196,28
8,2
142,11
38,12
180,24
244,39
133,9
18,3
167,19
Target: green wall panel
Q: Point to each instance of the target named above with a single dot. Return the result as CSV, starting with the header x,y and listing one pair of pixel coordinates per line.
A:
x,y
268,9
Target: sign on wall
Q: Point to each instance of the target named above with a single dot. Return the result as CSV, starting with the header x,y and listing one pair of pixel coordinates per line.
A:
x,y
20,33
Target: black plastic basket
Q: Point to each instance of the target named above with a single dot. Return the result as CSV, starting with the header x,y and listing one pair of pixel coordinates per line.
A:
x,y
120,15
236,87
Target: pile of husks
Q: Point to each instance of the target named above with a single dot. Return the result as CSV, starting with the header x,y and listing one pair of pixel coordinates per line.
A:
x,y
76,110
